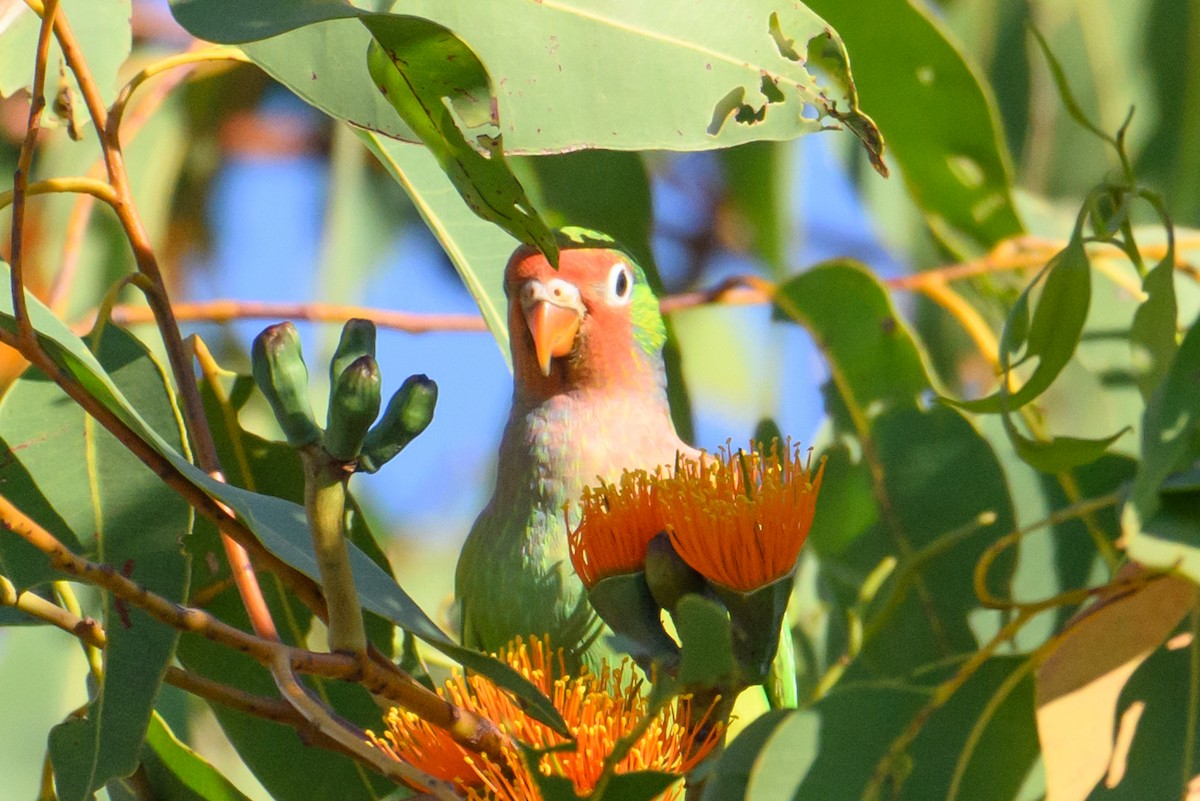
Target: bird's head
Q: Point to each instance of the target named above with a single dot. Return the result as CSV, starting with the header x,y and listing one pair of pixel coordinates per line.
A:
x,y
593,322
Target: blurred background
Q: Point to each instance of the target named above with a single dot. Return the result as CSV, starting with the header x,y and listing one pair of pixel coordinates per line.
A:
x,y
256,196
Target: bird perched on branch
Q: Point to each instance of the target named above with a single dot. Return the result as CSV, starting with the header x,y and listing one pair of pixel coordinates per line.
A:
x,y
589,400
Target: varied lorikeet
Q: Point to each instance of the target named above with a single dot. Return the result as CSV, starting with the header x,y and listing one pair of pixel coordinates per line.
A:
x,y
589,400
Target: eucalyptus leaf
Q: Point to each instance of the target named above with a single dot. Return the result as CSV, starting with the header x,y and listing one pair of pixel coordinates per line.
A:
x,y
1160,529
1050,335
707,646
1153,333
473,246
179,773
938,115
874,362
714,85
434,81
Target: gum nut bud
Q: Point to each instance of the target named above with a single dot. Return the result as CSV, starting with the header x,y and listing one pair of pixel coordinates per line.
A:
x,y
668,576
408,413
353,406
357,340
279,370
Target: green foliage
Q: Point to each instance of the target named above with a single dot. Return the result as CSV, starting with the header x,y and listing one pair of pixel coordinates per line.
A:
x,y
911,74
176,771
982,513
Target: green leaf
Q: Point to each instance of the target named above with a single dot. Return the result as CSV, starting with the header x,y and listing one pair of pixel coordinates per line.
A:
x,y
132,522
899,486
942,499
1161,529
732,777
1051,335
715,85
1170,421
230,21
626,604
831,750
756,618
640,785
177,772
280,525
1059,454
846,508
939,118
604,190
873,359
1064,90
434,81
1152,335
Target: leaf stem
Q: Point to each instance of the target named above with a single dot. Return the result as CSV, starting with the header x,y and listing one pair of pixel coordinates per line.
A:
x,y
88,186
190,58
325,503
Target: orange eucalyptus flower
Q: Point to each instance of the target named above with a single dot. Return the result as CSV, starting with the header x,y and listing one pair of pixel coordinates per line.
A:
x,y
737,518
599,709
618,522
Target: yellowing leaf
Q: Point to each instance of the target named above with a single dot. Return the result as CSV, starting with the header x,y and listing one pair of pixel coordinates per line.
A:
x,y
1079,684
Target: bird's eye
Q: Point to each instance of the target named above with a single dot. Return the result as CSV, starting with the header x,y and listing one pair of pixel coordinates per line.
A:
x,y
620,283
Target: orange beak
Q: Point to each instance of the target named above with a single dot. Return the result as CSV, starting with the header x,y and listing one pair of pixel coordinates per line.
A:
x,y
553,328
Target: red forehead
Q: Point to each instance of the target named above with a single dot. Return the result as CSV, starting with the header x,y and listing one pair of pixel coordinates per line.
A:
x,y
579,265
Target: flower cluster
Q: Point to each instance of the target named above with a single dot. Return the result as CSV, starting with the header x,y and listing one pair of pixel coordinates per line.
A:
x,y
599,709
737,518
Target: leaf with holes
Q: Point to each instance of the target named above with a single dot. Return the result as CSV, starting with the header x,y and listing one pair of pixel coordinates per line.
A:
x,y
715,85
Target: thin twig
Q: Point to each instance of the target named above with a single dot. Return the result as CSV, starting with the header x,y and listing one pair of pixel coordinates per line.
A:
x,y
189,59
1021,254
90,633
224,311
88,186
37,104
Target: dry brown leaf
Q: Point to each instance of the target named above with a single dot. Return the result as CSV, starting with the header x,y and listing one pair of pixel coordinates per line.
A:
x,y
1079,684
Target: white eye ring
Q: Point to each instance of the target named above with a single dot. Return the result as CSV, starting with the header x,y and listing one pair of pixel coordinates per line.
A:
x,y
620,284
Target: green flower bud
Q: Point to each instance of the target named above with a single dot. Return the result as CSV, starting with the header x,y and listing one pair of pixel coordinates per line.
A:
x,y
357,340
668,576
281,375
408,413
353,406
